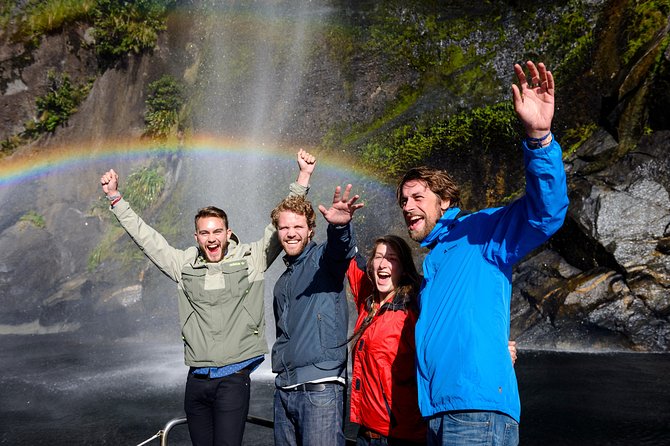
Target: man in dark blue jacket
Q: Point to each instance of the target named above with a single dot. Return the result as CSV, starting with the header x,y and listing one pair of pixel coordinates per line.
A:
x,y
311,315
466,381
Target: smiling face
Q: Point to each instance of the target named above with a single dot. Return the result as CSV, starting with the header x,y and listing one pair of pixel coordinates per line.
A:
x,y
212,237
387,269
421,207
294,232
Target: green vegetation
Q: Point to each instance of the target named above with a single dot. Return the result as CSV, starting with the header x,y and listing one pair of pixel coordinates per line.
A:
x,y
59,103
143,187
568,41
404,147
33,218
165,99
446,51
54,108
481,129
120,27
128,27
573,138
647,18
43,17
5,14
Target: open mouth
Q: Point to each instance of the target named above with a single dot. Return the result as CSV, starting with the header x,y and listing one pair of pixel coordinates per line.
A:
x,y
413,222
383,277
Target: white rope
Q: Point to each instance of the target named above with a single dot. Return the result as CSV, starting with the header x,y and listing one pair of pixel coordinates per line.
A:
x,y
158,434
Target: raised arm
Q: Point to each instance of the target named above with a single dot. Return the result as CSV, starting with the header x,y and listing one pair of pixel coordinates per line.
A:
x,y
153,244
269,246
307,164
529,221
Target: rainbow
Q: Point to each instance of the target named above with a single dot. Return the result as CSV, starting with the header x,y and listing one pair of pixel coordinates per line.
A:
x,y
38,163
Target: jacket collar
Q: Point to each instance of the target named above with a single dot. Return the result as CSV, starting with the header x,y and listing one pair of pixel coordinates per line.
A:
x,y
442,226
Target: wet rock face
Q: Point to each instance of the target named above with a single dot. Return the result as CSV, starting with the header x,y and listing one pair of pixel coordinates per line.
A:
x,y
23,73
620,285
22,298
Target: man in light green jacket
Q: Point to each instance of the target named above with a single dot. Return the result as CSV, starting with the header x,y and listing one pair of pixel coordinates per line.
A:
x,y
221,308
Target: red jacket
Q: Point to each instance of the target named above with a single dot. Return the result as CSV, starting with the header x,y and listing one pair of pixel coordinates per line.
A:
x,y
383,384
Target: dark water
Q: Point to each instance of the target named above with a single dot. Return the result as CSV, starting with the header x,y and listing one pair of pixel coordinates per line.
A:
x,y
62,390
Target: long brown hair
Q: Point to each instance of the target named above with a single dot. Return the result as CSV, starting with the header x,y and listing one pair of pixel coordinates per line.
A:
x,y
407,290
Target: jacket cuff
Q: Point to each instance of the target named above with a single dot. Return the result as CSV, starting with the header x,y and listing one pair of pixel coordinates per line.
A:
x,y
298,189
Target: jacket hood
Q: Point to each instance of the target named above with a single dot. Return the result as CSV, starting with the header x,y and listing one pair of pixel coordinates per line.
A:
x,y
442,225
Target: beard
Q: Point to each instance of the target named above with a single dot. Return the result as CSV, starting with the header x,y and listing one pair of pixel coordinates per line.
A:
x,y
420,234
429,222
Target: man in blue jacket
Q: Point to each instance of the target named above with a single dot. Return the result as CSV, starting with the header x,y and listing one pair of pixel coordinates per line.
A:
x,y
467,386
311,314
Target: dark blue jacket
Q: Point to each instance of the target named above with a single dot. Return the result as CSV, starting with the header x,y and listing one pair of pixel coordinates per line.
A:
x,y
311,313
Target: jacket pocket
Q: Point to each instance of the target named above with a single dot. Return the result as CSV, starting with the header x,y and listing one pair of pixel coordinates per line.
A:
x,y
195,346
193,284
236,274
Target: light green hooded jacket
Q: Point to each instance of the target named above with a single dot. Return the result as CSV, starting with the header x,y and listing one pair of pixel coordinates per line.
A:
x,y
221,305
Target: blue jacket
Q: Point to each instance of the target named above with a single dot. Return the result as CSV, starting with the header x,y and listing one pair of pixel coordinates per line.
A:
x,y
311,312
461,336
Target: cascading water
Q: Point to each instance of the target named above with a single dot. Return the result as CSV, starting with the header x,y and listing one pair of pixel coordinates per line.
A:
x,y
92,350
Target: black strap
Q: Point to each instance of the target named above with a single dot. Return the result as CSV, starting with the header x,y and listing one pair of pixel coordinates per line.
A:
x,y
462,213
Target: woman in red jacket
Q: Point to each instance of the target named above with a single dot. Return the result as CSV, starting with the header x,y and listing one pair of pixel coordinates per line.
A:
x,y
383,386
383,390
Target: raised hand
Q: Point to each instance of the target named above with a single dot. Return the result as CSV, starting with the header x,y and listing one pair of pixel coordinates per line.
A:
x,y
110,182
534,100
343,208
306,161
307,164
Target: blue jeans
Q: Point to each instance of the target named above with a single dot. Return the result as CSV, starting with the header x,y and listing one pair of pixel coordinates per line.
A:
x,y
309,418
477,428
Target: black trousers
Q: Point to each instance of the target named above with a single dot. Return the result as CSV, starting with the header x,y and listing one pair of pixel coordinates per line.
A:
x,y
216,409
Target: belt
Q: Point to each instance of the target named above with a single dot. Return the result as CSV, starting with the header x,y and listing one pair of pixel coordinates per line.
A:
x,y
307,387
370,435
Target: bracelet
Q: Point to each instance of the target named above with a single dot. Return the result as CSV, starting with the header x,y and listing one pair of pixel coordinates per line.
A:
x,y
537,142
116,200
114,197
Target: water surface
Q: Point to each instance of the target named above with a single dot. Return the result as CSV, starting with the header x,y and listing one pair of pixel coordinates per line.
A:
x,y
65,390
